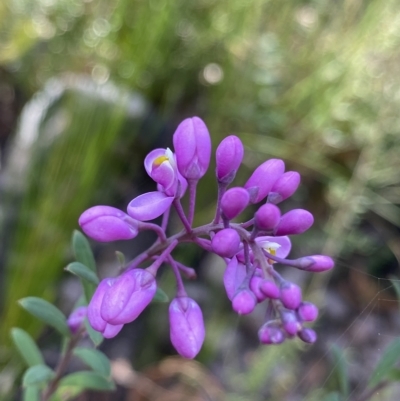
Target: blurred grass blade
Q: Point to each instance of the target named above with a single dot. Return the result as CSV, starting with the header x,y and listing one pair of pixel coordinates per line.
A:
x,y
390,356
396,285
332,397
94,335
47,313
340,369
26,347
95,359
120,258
37,375
83,272
82,250
87,381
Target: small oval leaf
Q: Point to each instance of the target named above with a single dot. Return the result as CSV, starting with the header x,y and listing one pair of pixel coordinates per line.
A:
x,y
26,347
31,393
83,272
88,381
82,250
95,359
94,335
37,375
160,296
46,312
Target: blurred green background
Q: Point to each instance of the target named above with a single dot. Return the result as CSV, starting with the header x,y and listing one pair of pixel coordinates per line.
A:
x,y
87,88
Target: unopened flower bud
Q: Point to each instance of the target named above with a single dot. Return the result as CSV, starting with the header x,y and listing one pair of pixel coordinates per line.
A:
x,y
186,326
290,322
76,319
284,187
307,312
295,221
271,334
229,155
290,295
192,146
93,310
234,275
106,223
263,178
244,301
226,243
234,201
315,263
255,284
267,217
130,293
307,335
270,289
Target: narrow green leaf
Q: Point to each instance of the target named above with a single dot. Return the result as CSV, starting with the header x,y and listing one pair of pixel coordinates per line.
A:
x,y
46,312
83,272
389,358
88,381
340,369
95,359
26,347
31,393
394,375
82,251
94,335
121,258
160,296
37,375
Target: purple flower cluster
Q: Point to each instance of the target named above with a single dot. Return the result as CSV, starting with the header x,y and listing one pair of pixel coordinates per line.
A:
x,y
251,250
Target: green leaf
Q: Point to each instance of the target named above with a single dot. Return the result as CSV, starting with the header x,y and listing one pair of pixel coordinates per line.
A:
x,y
83,272
46,312
394,375
160,296
31,393
94,335
95,359
121,258
88,381
37,375
340,369
396,285
389,358
26,347
82,250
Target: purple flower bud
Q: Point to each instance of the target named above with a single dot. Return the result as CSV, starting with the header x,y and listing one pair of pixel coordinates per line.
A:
x,y
264,177
267,217
106,223
186,326
294,222
111,330
307,312
290,322
270,289
76,319
290,295
161,166
192,145
229,155
284,187
93,309
234,275
307,335
255,286
126,298
271,334
315,263
234,201
226,243
149,205
244,301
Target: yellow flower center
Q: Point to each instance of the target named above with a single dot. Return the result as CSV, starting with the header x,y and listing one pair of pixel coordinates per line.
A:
x,y
159,160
